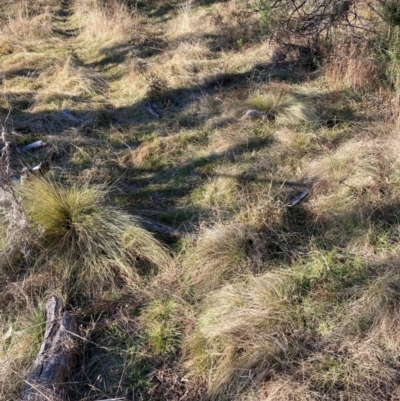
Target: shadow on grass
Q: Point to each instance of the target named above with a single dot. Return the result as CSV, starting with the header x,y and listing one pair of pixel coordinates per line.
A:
x,y
141,187
170,101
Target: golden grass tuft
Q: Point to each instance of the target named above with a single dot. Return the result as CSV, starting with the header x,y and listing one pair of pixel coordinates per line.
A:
x,y
105,24
282,107
352,180
356,372
353,66
283,388
87,244
221,192
222,253
27,25
243,336
377,310
260,210
188,64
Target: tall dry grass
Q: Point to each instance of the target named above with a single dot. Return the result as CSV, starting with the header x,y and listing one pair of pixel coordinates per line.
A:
x,y
243,337
221,254
105,24
23,23
354,66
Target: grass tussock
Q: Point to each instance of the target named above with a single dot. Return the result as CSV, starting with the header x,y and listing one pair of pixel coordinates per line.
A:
x,y
163,322
259,300
84,241
105,24
26,25
222,253
376,311
242,336
282,107
352,66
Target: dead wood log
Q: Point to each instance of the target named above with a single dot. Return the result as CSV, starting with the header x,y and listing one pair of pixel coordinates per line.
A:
x,y
56,357
163,229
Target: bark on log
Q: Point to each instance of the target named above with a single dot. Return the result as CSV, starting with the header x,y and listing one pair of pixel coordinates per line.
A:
x,y
56,357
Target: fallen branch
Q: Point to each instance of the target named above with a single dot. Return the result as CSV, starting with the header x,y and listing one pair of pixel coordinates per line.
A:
x,y
297,199
56,357
151,109
163,229
34,146
253,114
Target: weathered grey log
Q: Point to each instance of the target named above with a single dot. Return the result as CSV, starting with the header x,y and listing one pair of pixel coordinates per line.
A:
x,y
56,357
151,108
34,146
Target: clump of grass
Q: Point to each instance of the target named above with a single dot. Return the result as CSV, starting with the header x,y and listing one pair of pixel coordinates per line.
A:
x,y
376,312
243,336
65,85
84,241
261,211
220,192
26,26
358,373
163,323
283,388
105,24
354,66
351,182
221,253
189,63
283,107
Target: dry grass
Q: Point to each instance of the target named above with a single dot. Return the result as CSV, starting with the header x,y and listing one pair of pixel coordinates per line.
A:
x,y
243,335
258,301
21,335
352,181
105,25
283,107
66,85
354,66
376,310
26,24
87,244
188,64
222,253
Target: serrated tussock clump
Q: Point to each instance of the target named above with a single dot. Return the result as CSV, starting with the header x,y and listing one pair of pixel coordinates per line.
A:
x,y
243,333
283,107
221,253
86,242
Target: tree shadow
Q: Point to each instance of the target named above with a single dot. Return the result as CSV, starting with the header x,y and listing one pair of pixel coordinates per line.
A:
x,y
142,48
172,183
